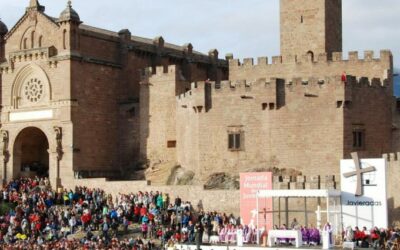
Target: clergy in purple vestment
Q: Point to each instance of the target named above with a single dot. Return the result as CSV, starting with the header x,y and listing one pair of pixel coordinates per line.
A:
x,y
305,235
315,237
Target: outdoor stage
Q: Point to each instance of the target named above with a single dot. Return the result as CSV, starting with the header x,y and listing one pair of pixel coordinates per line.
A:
x,y
247,247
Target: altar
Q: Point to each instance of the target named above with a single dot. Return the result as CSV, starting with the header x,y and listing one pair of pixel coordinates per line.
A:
x,y
332,209
273,235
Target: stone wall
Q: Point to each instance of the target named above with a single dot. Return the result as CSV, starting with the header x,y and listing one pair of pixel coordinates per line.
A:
x,y
95,117
216,200
310,26
288,67
228,201
158,116
302,124
368,109
393,195
94,77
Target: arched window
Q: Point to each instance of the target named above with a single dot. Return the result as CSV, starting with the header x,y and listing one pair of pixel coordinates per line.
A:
x,y
32,39
310,55
24,45
64,39
40,41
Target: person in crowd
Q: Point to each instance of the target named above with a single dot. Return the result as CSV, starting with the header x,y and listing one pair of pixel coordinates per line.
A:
x,y
349,234
359,236
375,237
315,236
305,234
198,234
44,219
294,224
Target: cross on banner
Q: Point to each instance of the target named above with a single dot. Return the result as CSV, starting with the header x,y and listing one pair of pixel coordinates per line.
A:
x,y
358,172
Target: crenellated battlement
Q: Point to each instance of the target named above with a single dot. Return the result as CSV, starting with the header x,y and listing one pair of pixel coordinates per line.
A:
x,y
158,72
392,157
353,57
239,86
272,91
297,82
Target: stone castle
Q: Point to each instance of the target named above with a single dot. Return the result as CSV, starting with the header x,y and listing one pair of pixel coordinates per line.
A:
x,y
87,105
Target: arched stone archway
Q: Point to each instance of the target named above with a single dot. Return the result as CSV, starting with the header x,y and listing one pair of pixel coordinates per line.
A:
x,y
31,153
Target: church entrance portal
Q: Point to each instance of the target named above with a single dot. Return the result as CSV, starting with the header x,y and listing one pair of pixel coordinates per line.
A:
x,y
31,157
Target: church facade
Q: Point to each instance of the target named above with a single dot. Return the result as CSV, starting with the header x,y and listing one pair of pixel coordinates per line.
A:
x,y
83,102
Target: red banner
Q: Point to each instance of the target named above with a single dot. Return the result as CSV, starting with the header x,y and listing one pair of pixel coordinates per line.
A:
x,y
250,183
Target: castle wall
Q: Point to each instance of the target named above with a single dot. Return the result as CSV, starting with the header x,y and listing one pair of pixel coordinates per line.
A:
x,y
188,131
94,87
396,125
283,127
158,116
215,200
288,67
301,124
393,177
99,47
368,107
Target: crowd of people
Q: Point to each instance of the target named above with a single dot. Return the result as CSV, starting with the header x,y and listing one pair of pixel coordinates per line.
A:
x,y
48,219
376,238
43,219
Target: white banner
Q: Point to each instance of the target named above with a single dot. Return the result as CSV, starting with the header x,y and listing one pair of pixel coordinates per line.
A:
x,y
364,197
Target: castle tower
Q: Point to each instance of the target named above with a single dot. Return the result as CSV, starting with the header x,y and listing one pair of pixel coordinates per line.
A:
x,y
311,26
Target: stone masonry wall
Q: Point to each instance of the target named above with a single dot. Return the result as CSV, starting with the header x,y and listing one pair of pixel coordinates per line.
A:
x,y
313,26
158,116
228,200
94,88
288,67
218,200
302,26
282,123
368,107
393,195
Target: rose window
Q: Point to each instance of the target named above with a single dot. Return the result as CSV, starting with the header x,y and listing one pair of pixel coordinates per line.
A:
x,y
33,90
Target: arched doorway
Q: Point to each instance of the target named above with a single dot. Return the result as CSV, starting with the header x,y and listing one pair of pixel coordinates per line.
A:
x,y
31,157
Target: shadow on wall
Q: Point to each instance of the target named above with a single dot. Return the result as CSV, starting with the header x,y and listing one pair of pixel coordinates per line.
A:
x,y
394,213
144,120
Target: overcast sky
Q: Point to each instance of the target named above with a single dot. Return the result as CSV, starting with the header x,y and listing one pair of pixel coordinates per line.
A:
x,y
246,28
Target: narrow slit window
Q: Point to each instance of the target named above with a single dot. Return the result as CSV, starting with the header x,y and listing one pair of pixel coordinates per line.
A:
x,y
358,139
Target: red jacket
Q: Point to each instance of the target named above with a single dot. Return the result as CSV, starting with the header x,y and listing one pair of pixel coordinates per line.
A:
x,y
136,210
143,211
359,235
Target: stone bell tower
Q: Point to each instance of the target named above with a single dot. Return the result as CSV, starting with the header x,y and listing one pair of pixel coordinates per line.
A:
x,y
310,27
